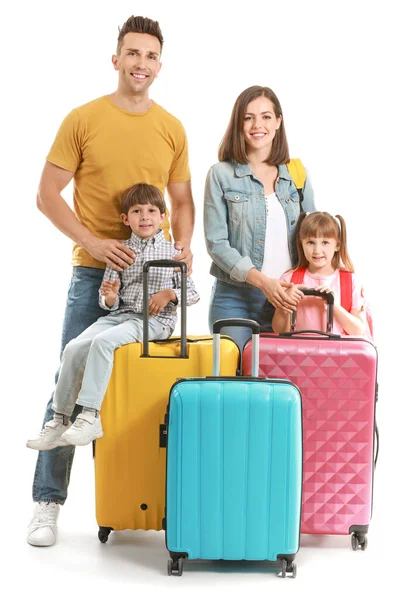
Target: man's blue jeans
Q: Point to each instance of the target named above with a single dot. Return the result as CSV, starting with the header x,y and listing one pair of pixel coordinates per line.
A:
x,y
233,301
52,474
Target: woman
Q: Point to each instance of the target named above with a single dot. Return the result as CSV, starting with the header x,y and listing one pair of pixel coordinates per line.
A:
x,y
250,213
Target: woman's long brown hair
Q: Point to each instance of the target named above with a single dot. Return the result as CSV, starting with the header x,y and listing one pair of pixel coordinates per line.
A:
x,y
233,145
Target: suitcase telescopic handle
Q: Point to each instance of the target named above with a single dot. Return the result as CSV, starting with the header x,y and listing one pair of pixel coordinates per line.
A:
x,y
216,331
145,274
217,326
329,313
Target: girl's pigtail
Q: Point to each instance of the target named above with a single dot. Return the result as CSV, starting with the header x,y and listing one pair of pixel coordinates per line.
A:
x,y
302,262
344,254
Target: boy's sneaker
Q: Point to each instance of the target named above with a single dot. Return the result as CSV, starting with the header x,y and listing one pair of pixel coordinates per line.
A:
x,y
84,430
43,526
49,437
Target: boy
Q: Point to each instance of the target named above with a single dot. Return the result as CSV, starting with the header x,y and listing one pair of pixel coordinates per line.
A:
x,y
87,360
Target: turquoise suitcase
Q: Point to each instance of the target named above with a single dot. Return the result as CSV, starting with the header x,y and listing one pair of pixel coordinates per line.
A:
x,y
234,467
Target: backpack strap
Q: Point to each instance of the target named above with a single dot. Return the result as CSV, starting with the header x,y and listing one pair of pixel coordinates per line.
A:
x,y
298,174
346,288
298,275
346,285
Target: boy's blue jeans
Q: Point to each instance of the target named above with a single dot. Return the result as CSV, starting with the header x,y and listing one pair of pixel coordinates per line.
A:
x,y
88,360
52,474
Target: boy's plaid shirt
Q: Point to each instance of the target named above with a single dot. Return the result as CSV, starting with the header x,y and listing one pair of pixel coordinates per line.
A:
x,y
130,295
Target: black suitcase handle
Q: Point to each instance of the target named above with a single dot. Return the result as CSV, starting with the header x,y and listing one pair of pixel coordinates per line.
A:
x,y
316,332
145,274
330,303
216,353
376,444
217,326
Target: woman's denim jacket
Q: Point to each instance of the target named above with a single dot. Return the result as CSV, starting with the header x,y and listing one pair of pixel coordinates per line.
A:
x,y
235,218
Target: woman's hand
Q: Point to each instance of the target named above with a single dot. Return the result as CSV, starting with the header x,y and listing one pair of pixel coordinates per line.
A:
x,y
274,290
294,292
277,293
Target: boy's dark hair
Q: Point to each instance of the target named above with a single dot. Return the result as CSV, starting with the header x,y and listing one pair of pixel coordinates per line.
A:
x,y
142,193
139,25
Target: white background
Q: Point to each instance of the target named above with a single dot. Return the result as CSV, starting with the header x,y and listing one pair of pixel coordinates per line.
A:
x,y
340,70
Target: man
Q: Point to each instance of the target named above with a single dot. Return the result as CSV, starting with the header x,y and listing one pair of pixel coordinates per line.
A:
x,y
107,145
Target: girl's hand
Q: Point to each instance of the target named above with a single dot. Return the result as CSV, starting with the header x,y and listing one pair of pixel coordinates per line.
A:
x,y
327,290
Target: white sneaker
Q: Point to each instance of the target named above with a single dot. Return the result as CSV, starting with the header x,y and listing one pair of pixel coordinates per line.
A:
x,y
42,530
84,430
49,437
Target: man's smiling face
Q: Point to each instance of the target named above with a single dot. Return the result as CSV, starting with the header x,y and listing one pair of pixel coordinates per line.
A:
x,y
138,62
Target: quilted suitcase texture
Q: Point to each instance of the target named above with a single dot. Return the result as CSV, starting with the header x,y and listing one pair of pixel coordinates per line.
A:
x,y
337,378
234,468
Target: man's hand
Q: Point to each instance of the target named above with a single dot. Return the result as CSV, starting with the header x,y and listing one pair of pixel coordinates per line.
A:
x,y
109,290
158,301
111,252
186,256
182,219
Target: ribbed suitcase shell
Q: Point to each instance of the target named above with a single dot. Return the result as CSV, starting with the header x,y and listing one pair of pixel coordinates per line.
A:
x,y
337,379
129,463
234,469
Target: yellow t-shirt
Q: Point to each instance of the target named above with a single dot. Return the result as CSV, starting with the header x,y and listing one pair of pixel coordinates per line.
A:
x,y
110,149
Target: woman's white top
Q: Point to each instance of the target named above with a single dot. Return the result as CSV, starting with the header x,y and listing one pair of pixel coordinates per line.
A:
x,y
276,259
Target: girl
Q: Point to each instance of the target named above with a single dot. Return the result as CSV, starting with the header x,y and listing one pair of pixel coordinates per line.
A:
x,y
324,264
250,213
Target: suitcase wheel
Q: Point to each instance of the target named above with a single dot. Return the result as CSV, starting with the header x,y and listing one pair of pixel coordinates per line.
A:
x,y
175,566
288,567
103,534
359,540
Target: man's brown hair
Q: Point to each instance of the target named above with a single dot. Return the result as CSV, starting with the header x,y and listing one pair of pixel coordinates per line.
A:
x,y
139,25
233,145
142,193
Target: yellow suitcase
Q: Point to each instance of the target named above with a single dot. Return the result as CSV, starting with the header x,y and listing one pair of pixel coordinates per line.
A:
x,y
129,462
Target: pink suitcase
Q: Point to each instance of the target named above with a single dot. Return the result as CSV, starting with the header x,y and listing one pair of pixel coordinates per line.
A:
x,y
337,378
